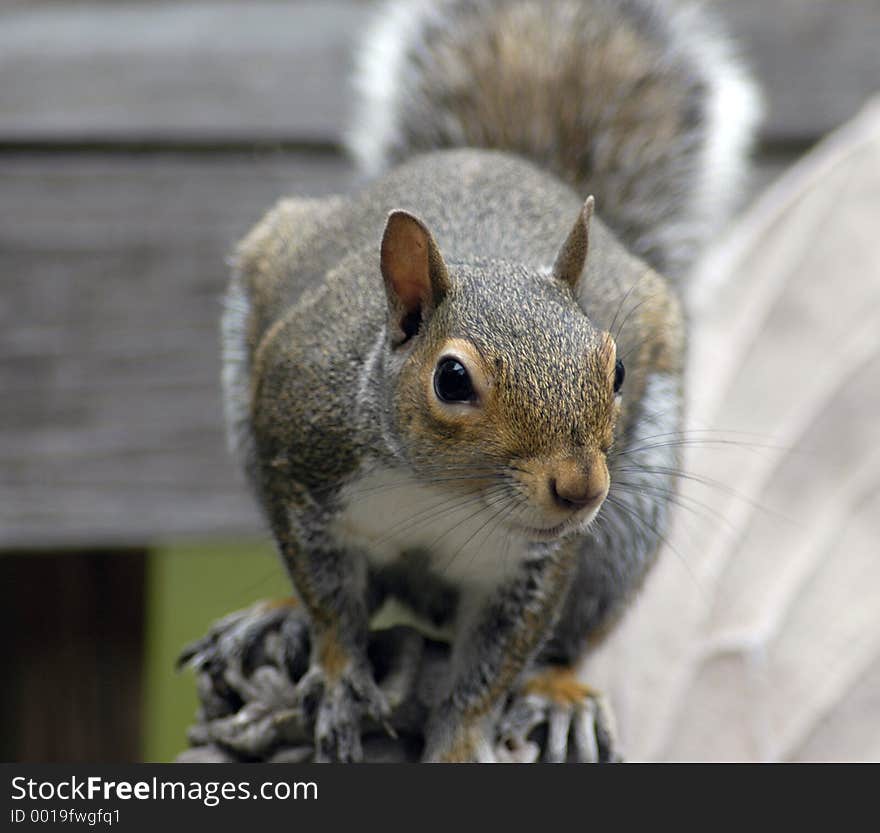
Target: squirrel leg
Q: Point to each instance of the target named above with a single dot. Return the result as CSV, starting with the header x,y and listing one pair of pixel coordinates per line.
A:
x,y
570,720
339,687
506,629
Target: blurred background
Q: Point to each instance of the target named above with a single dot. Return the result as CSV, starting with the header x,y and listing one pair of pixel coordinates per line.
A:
x,y
138,142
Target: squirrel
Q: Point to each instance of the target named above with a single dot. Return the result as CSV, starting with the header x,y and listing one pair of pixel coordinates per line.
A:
x,y
453,387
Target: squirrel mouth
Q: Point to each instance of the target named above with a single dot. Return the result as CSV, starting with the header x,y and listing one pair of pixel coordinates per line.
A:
x,y
549,533
554,533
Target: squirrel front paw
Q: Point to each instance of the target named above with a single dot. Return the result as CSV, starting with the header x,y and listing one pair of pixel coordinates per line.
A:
x,y
334,704
576,721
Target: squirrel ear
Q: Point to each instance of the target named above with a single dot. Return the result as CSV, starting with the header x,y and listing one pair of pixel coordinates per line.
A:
x,y
572,257
415,274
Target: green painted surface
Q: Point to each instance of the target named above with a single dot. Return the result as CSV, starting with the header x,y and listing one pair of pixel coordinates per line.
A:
x,y
189,587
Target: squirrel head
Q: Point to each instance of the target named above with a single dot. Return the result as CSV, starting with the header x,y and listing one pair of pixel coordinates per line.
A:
x,y
499,384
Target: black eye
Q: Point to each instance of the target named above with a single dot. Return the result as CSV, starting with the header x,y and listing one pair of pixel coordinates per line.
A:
x,y
619,375
452,382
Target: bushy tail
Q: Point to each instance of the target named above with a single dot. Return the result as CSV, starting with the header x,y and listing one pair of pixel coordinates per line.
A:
x,y
640,102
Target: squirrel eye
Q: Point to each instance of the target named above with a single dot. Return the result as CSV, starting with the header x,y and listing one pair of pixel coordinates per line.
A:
x,y
619,375
452,383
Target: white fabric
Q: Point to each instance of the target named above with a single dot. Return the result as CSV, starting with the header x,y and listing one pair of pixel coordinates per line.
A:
x,y
757,637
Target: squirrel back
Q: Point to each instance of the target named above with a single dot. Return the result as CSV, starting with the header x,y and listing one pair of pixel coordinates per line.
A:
x,y
641,103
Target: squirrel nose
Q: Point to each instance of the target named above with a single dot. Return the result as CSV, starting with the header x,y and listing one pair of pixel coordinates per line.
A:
x,y
573,490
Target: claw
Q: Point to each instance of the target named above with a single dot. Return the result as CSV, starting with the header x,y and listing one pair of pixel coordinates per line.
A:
x,y
558,725
571,721
606,732
584,727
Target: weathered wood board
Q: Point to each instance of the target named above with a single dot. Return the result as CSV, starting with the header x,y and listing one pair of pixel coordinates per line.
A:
x,y
264,70
113,270
125,179
168,71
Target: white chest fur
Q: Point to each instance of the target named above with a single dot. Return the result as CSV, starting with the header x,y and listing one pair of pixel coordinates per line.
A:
x,y
388,512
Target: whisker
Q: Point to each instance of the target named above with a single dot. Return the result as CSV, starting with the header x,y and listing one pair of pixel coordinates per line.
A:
x,y
484,505
698,442
433,515
708,482
437,509
498,514
658,536
624,299
407,481
685,502
634,309
637,346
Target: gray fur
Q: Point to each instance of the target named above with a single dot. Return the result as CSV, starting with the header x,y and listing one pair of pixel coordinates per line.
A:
x,y
642,103
236,373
